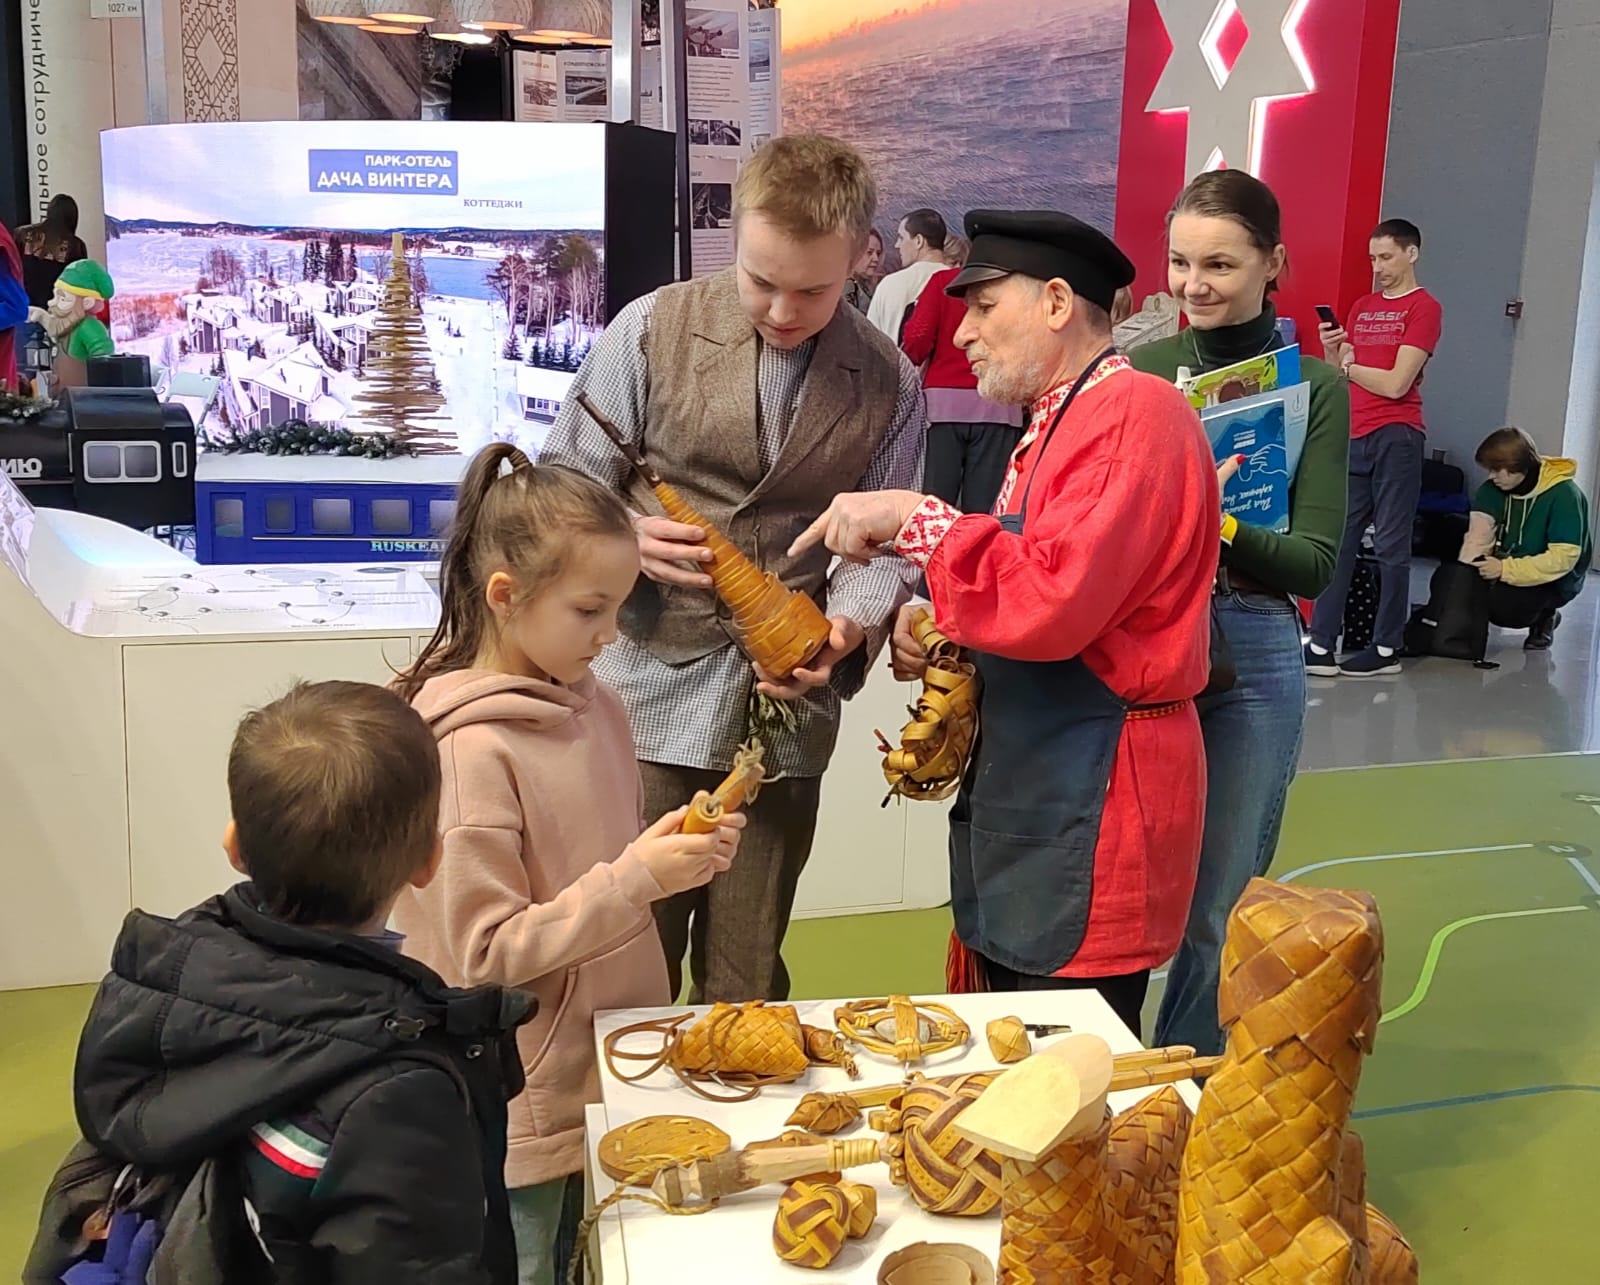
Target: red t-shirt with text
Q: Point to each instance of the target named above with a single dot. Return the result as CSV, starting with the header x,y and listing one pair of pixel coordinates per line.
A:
x,y
1379,327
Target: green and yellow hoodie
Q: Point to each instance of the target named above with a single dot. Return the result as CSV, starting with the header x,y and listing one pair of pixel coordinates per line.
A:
x,y
1540,530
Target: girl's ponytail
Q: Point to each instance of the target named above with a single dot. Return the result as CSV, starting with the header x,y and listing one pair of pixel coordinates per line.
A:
x,y
459,635
513,515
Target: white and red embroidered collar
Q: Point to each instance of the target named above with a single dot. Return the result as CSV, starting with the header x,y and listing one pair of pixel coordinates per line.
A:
x,y
1050,403
1040,415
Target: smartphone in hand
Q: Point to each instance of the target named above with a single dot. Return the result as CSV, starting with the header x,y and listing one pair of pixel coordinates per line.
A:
x,y
1328,315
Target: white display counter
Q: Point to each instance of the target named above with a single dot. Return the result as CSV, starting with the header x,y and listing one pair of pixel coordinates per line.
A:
x,y
124,671
639,1245
126,666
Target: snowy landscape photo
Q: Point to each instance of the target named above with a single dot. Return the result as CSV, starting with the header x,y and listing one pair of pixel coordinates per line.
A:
x,y
425,288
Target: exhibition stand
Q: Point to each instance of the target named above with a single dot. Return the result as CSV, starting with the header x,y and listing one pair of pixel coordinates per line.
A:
x,y
127,667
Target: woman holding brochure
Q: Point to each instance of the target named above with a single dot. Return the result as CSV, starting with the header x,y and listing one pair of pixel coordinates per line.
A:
x,y
1225,255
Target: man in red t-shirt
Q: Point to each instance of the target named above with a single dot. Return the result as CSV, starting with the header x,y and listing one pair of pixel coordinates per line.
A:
x,y
1391,335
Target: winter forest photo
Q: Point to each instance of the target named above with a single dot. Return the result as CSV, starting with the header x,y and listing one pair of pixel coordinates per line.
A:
x,y
290,327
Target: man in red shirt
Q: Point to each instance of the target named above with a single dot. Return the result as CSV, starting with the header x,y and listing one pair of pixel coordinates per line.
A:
x,y
970,438
1391,335
1084,603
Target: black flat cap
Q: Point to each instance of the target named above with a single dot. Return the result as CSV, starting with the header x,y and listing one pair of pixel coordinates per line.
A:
x,y
1045,245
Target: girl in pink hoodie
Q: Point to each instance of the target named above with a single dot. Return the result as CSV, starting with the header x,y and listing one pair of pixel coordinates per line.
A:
x,y
547,881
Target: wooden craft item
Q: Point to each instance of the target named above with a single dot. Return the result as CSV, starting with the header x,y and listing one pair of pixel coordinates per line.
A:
x,y
635,1152
1055,1094
815,1218
735,1171
1008,1040
1272,1183
739,787
1100,1206
1393,1260
936,743
1076,1207
944,1172
811,1224
897,1028
1141,1069
927,1263
825,1113
752,1038
798,1138
778,628
862,1204
827,1048
748,1045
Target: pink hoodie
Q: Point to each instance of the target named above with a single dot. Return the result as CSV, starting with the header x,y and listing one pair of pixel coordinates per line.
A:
x,y
539,887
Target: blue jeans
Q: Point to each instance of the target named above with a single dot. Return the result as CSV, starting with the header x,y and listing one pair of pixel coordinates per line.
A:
x,y
544,1219
1385,485
1252,737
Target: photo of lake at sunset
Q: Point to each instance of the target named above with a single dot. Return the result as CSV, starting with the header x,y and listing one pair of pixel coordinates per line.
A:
x,y
965,103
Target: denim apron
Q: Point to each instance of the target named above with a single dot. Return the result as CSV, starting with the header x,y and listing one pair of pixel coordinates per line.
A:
x,y
1026,822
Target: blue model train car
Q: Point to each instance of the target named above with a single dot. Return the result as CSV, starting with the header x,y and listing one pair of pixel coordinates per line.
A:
x,y
251,508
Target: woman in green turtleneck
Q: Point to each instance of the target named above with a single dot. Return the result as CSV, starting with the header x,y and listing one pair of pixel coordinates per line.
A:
x,y
1225,254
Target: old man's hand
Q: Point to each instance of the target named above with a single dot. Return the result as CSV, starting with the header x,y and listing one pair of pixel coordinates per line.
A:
x,y
858,524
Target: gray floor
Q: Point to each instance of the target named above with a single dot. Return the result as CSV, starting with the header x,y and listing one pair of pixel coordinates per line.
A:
x,y
1535,703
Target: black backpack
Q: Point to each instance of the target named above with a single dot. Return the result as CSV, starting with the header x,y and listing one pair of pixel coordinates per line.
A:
x,y
106,1223
1454,622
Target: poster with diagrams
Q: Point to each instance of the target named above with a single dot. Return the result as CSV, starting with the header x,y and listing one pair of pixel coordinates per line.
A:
x,y
572,85
731,64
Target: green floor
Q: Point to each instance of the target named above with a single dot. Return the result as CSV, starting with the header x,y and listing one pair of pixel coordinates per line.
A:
x,y
1480,1108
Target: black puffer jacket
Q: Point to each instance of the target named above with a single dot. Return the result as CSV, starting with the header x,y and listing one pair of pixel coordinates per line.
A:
x,y
362,1098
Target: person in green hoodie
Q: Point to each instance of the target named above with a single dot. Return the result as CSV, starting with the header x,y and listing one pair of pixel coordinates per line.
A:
x,y
1224,256
1529,535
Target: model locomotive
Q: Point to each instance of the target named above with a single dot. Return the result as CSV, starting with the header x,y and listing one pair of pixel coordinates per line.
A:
x,y
117,453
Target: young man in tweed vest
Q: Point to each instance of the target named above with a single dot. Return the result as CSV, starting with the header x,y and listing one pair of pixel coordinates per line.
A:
x,y
758,395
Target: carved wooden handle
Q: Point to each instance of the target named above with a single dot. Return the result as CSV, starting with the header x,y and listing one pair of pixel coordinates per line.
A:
x,y
740,785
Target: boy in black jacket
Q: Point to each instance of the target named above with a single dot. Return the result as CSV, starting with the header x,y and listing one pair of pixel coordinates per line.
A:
x,y
359,1101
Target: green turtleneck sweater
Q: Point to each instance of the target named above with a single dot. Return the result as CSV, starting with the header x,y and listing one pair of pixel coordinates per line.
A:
x,y
1301,562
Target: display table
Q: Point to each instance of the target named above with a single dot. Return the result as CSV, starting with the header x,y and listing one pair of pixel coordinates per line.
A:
x,y
636,1244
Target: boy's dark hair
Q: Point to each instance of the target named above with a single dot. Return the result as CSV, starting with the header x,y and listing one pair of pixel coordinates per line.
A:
x,y
1510,449
335,796
929,225
1403,232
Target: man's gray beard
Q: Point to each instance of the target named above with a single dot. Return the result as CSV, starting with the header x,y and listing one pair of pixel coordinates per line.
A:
x,y
1017,387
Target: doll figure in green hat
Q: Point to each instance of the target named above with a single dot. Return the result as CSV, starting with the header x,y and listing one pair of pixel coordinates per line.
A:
x,y
75,318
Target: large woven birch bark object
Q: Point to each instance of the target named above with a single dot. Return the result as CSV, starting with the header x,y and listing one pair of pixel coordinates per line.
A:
x,y
777,627
1272,1189
1086,1200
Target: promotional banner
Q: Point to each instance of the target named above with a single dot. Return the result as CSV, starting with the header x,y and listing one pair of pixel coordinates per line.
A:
x,y
68,101
572,85
1297,92
279,276
731,57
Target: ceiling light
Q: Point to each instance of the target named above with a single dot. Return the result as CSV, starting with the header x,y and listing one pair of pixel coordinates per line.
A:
x,y
351,12
404,10
573,19
389,29
448,27
492,15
